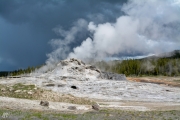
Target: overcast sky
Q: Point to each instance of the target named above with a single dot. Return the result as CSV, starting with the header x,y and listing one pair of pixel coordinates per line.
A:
x,y
33,32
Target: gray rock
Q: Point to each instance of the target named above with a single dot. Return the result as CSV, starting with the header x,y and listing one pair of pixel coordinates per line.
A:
x,y
95,106
72,107
44,103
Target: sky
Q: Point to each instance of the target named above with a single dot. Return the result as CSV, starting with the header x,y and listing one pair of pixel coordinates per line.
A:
x,y
34,32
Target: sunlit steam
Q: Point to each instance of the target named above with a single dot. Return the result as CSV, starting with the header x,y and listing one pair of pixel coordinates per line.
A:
x,y
148,27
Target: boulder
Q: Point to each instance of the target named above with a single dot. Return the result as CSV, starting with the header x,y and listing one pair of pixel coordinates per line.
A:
x,y
95,106
44,103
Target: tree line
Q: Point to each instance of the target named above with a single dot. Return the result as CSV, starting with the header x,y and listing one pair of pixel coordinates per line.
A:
x,y
166,66
18,72
139,67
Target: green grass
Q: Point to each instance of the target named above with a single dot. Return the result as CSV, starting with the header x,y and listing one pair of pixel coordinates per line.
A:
x,y
93,115
105,114
11,91
23,87
38,94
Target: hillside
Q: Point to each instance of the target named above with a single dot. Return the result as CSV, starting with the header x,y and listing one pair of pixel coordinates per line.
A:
x,y
166,64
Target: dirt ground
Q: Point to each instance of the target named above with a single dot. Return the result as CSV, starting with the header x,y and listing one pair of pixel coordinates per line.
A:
x,y
162,80
25,104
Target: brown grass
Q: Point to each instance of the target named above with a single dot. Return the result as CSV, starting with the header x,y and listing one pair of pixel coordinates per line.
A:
x,y
155,80
39,94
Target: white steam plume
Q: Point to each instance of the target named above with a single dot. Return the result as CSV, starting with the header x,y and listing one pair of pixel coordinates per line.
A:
x,y
61,46
148,27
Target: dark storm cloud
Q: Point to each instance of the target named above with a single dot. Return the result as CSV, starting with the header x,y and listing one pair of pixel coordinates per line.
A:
x,y
26,26
147,27
55,11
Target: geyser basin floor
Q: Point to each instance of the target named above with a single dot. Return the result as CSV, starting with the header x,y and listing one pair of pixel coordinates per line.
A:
x,y
113,91
113,94
106,89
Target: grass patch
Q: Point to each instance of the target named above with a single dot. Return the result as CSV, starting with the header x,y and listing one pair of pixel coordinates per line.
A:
x,y
32,92
18,91
94,115
177,81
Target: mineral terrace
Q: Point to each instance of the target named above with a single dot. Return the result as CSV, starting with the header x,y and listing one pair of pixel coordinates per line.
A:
x,y
109,90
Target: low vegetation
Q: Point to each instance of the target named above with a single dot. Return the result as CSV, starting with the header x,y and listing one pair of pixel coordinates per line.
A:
x,y
32,92
19,71
178,81
19,91
93,115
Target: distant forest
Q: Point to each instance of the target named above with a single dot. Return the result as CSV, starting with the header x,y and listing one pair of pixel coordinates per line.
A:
x,y
166,66
18,72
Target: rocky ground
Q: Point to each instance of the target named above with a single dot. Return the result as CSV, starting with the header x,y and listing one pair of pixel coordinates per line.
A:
x,y
73,87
